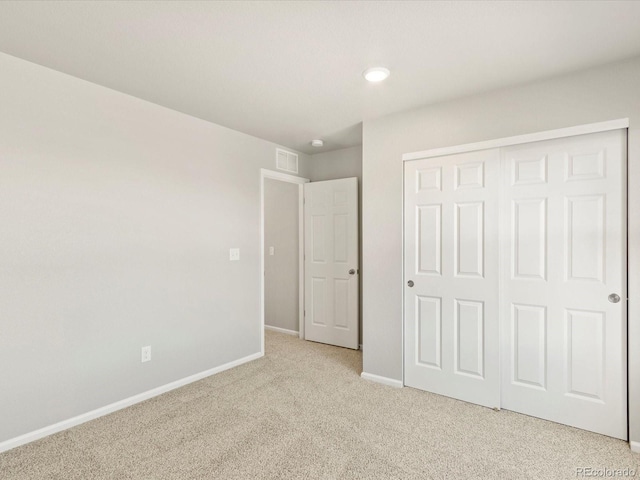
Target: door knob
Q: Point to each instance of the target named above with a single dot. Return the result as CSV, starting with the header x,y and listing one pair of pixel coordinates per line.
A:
x,y
352,272
614,298
410,283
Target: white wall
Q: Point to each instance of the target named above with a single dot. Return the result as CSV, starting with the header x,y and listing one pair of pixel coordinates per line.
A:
x,y
281,270
117,216
343,163
606,93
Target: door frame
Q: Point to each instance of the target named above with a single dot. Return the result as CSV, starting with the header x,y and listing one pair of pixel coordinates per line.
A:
x,y
300,181
618,124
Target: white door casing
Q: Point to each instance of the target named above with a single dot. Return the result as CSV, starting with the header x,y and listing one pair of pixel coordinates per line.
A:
x,y
451,256
559,250
331,253
564,252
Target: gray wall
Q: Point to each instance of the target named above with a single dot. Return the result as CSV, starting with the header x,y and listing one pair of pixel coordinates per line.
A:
x,y
281,274
606,93
344,163
117,216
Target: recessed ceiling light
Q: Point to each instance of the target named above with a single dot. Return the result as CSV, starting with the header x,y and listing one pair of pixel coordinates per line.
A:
x,y
376,74
317,143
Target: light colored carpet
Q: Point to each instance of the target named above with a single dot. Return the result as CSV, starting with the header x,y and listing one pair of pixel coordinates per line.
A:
x,y
304,412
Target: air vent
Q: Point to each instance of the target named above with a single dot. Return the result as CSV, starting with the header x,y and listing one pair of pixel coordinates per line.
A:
x,y
286,161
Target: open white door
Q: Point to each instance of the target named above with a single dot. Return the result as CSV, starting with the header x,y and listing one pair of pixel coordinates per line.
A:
x,y
331,262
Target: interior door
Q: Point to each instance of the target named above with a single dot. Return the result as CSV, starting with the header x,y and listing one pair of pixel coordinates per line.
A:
x,y
331,262
451,276
564,281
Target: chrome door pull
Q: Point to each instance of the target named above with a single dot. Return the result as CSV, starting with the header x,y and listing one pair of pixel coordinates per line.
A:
x,y
410,283
614,298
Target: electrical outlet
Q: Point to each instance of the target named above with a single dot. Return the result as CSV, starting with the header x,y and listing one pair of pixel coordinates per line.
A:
x,y
272,250
234,254
146,354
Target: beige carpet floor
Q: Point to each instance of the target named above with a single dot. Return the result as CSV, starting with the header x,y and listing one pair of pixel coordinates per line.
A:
x,y
304,412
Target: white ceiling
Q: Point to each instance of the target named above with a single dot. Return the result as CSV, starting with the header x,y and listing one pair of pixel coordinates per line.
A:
x,y
289,72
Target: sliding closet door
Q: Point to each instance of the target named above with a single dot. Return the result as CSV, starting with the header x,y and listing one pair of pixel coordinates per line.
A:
x,y
451,276
564,281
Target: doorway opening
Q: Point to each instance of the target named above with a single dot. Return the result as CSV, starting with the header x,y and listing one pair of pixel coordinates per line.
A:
x,y
281,253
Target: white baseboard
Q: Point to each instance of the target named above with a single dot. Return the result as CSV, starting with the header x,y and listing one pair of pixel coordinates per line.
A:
x,y
383,380
281,330
635,446
119,405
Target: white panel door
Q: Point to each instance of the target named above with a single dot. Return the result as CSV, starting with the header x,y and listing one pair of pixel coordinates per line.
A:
x,y
451,276
331,262
564,252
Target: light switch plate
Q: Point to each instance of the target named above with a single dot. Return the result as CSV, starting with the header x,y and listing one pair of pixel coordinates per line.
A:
x,y
234,254
271,250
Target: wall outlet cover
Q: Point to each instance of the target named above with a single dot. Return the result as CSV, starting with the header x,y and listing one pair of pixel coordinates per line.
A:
x,y
146,354
234,254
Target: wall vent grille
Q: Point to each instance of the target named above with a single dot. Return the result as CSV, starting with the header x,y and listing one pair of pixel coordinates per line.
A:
x,y
286,161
